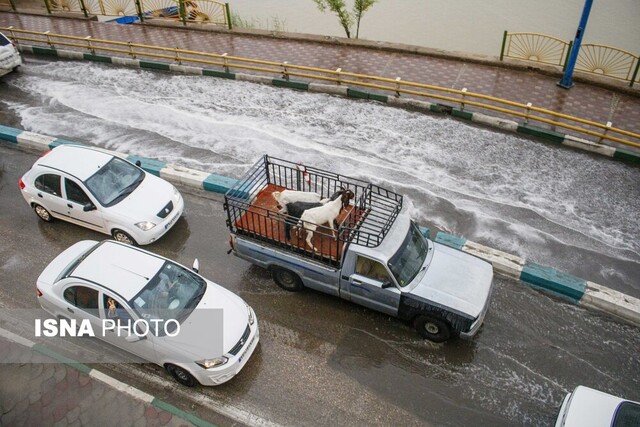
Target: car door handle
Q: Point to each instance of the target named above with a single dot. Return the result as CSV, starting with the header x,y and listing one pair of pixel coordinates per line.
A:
x,y
39,194
69,310
69,205
356,282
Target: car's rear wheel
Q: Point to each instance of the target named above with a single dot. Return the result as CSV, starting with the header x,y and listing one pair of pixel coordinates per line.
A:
x,y
432,328
42,213
181,375
122,237
286,279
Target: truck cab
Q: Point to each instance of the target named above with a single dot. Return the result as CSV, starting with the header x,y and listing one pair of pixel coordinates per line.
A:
x,y
379,258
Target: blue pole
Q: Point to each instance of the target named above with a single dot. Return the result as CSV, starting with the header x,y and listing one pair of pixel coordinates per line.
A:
x,y
567,81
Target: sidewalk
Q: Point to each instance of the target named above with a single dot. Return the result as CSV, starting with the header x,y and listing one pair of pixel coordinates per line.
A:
x,y
618,104
40,391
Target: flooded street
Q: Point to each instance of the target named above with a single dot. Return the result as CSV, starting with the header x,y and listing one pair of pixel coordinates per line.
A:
x,y
323,360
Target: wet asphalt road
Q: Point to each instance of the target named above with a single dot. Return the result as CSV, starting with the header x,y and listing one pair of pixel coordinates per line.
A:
x,y
323,361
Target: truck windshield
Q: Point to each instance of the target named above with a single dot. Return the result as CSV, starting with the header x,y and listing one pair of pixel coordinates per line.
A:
x,y
406,263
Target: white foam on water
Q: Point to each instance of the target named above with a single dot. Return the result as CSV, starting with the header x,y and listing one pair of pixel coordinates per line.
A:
x,y
459,177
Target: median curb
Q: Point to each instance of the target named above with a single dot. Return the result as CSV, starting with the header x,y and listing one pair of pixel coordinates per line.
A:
x,y
345,91
574,289
131,391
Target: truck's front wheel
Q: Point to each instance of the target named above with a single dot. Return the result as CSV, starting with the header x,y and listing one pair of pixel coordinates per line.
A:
x,y
286,279
432,328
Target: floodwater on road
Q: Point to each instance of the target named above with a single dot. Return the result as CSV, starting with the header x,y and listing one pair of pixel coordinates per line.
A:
x,y
471,26
325,361
558,207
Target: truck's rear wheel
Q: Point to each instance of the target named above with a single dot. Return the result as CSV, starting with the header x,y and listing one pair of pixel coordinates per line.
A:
x,y
432,328
286,279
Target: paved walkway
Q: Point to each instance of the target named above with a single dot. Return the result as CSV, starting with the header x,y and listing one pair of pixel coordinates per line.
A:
x,y
39,391
585,100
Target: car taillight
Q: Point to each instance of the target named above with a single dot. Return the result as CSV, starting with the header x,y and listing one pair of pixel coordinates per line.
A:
x,y
38,292
45,153
21,184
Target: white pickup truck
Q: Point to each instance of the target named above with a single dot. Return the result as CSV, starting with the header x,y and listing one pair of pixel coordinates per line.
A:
x,y
379,259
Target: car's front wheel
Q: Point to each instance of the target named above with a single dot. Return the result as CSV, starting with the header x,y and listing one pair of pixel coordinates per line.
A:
x,y
122,237
432,328
181,375
42,213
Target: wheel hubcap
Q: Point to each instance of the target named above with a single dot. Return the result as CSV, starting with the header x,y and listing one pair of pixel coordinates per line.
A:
x,y
42,212
121,237
431,328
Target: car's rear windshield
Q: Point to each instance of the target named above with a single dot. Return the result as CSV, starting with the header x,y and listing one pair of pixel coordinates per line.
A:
x,y
627,415
3,40
172,293
114,181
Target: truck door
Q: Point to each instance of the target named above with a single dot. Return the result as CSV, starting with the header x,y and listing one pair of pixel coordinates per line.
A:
x,y
370,285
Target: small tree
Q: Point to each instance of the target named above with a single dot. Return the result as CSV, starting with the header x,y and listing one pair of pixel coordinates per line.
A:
x,y
359,8
340,9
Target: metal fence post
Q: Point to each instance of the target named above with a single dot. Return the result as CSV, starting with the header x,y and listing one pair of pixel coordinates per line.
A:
x,y
226,64
84,9
464,92
566,57
398,79
635,73
285,74
139,10
526,119
504,42
609,124
228,12
182,12
339,70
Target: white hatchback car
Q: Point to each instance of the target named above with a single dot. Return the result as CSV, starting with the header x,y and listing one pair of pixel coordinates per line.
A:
x,y
97,190
9,56
95,281
586,407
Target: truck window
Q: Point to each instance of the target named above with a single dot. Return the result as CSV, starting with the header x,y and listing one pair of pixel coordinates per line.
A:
x,y
372,269
406,263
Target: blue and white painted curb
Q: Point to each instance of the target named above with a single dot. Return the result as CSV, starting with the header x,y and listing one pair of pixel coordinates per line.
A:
x,y
577,290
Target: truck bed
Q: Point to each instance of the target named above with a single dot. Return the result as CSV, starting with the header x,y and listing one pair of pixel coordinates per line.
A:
x,y
263,219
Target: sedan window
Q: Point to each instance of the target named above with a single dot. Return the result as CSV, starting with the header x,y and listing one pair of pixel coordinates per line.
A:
x,y
114,181
75,193
49,183
83,298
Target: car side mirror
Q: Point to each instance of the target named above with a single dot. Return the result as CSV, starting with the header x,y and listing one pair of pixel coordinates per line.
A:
x,y
387,285
89,207
138,163
196,265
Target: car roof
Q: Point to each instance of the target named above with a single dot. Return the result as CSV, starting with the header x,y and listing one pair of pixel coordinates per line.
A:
x,y
81,162
590,407
124,269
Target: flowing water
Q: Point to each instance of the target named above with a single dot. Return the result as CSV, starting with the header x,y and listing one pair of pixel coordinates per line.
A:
x,y
567,209
472,26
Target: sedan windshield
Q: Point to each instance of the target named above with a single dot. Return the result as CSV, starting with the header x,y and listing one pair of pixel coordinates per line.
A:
x,y
406,263
172,293
114,181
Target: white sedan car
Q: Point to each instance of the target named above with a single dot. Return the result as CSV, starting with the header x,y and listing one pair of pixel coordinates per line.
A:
x,y
586,407
109,281
9,56
97,190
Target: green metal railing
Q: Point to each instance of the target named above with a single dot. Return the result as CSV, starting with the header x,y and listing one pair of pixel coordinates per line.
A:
x,y
593,58
285,70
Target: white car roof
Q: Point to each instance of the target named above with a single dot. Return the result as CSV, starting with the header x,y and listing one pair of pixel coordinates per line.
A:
x,y
122,268
589,407
79,161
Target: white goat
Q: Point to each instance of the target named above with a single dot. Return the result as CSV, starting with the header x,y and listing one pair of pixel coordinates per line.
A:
x,y
292,196
312,218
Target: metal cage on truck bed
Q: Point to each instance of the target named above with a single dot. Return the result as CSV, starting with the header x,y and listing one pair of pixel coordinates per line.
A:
x,y
252,210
